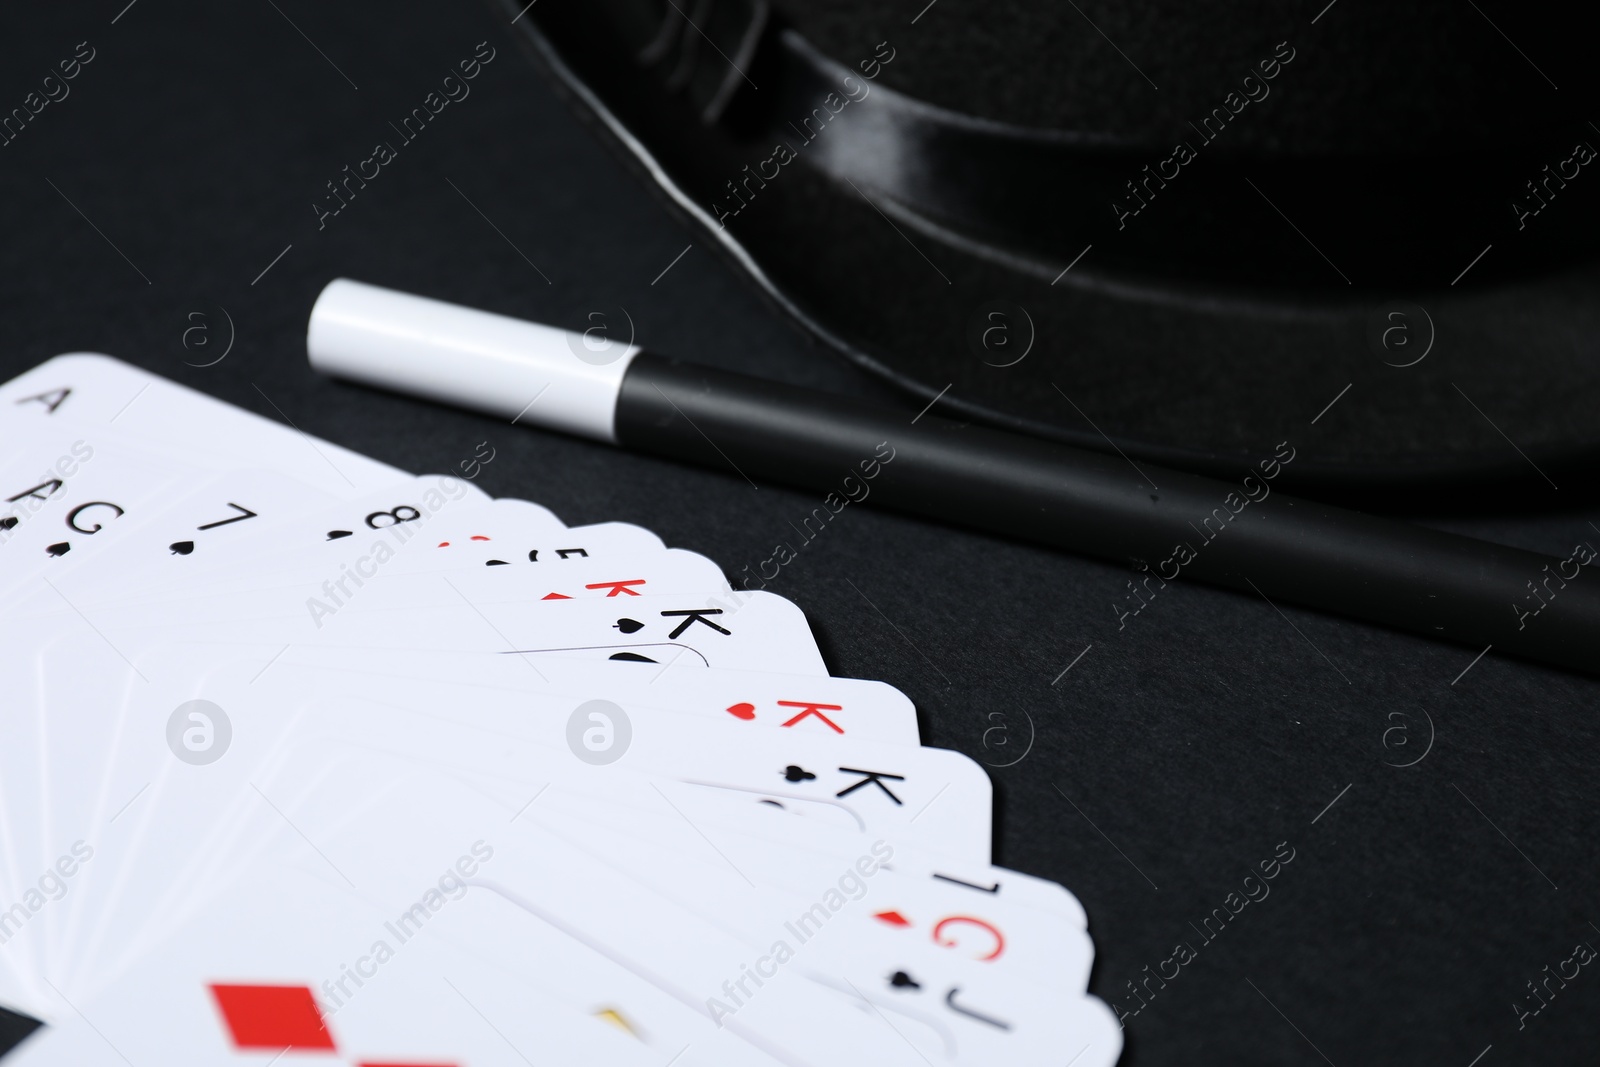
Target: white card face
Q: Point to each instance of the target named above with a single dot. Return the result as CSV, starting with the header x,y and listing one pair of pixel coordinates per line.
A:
x,y
503,533
761,889
64,494
746,834
742,700
582,562
756,886
491,625
96,391
576,965
752,631
324,537
169,810
285,960
601,571
1043,1019
427,509
893,789
35,468
1016,975
159,553
28,891
309,758
555,879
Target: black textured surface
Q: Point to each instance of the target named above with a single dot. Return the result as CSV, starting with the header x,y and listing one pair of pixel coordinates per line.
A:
x,y
1173,755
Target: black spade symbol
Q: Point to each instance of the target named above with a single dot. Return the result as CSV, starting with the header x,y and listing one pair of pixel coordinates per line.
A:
x,y
181,548
902,980
60,548
494,563
631,657
793,773
774,803
629,626
8,522
334,535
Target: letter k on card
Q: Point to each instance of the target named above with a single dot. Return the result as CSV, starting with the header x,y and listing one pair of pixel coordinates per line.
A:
x,y
747,711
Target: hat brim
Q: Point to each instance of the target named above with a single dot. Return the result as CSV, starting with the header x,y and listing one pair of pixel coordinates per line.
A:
x,y
1444,389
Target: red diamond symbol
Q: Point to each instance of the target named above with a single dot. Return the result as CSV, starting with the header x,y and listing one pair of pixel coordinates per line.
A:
x,y
272,1016
893,918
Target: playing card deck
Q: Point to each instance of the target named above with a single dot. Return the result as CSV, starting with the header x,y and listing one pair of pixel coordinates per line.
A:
x,y
304,755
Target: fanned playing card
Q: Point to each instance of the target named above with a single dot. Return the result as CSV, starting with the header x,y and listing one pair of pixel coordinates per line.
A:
x,y
311,758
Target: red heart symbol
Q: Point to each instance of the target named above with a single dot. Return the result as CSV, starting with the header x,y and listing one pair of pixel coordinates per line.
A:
x,y
743,711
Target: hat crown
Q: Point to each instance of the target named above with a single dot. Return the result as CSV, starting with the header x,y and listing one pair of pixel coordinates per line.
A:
x,y
1423,77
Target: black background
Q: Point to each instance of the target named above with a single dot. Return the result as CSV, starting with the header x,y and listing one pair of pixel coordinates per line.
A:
x,y
1175,753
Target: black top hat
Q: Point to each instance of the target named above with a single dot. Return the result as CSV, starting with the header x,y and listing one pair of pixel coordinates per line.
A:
x,y
1184,231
